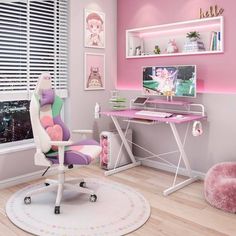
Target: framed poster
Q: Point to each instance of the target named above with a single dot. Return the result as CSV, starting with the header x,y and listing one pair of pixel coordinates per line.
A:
x,y
94,29
94,71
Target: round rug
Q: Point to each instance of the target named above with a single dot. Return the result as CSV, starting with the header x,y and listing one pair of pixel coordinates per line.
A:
x,y
118,210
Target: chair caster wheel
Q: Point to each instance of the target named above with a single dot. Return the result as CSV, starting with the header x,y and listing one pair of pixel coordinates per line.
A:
x,y
27,200
46,184
57,210
82,184
93,198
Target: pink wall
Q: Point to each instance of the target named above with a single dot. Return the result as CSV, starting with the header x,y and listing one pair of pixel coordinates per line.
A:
x,y
216,73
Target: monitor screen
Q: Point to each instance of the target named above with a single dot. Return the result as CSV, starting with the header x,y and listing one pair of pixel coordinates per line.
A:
x,y
179,81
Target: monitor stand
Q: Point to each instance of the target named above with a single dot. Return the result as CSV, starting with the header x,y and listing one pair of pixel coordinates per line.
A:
x,y
169,98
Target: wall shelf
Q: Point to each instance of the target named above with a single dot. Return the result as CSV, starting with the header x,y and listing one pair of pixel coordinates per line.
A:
x,y
147,38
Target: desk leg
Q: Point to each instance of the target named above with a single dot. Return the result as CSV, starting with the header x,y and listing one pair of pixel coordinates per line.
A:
x,y
180,185
181,148
127,147
191,179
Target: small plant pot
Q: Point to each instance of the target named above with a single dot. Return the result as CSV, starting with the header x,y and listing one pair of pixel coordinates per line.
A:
x,y
192,39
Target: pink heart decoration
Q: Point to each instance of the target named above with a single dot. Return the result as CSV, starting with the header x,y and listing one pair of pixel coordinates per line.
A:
x,y
46,121
56,134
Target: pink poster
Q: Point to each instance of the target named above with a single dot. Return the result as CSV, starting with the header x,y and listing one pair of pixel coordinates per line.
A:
x,y
94,29
94,71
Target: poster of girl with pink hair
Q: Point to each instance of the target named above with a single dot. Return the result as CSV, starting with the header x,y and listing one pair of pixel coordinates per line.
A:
x,y
94,29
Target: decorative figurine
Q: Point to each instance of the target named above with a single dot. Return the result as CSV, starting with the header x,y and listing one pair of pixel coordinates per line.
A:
x,y
172,47
157,50
138,51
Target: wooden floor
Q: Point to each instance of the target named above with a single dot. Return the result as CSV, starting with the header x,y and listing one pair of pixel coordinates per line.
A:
x,y
184,213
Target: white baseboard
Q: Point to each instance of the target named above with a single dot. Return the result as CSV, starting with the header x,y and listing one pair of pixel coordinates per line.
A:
x,y
165,167
26,178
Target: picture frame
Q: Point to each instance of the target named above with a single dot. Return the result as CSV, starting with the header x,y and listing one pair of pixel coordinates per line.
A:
x,y
94,71
94,29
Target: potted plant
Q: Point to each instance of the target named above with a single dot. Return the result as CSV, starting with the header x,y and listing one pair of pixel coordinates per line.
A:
x,y
193,35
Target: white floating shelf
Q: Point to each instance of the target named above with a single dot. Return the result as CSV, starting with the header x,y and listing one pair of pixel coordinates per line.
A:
x,y
148,37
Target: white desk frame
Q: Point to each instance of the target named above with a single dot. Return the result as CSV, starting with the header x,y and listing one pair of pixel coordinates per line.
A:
x,y
134,162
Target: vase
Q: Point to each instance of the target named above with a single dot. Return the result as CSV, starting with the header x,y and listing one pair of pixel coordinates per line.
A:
x,y
192,39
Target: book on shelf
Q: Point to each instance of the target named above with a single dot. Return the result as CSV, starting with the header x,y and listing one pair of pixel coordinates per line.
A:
x,y
194,50
196,42
194,46
218,41
215,43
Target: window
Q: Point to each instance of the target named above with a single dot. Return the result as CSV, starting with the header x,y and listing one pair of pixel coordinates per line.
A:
x,y
33,39
15,121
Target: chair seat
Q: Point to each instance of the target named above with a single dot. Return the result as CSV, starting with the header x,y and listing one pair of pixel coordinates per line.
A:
x,y
80,153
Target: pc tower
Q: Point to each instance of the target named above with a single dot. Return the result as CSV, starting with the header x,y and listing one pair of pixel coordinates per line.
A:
x,y
113,155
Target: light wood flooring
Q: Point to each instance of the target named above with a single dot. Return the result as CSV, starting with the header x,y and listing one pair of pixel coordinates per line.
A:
x,y
184,213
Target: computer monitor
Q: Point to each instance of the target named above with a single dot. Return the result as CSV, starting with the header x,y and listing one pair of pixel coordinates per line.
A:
x,y
170,81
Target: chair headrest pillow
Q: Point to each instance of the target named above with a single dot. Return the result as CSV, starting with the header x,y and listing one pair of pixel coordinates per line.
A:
x,y
47,97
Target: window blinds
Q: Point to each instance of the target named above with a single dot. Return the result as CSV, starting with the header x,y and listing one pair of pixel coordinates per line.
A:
x,y
33,39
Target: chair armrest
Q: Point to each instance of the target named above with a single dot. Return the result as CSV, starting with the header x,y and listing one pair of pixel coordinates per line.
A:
x,y
82,131
61,143
61,149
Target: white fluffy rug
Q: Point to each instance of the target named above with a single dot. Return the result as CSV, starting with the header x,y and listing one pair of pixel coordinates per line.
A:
x,y
118,211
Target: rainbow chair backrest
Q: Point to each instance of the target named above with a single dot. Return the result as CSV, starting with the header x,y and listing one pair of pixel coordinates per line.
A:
x,y
45,108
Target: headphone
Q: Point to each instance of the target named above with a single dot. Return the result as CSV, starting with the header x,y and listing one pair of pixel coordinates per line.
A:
x,y
197,129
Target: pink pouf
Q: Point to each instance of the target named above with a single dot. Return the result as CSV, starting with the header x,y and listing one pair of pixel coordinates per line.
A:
x,y
220,186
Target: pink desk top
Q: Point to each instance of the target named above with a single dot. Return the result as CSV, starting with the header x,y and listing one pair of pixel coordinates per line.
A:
x,y
130,113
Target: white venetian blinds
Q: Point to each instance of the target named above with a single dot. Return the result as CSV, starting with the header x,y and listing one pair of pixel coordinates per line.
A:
x,y
33,39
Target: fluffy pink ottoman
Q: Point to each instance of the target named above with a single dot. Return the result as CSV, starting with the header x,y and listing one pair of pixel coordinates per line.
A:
x,y
220,186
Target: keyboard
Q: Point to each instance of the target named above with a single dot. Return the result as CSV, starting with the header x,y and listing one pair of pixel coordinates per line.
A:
x,y
153,113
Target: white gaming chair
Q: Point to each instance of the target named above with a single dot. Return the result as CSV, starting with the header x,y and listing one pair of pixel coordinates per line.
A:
x,y
53,144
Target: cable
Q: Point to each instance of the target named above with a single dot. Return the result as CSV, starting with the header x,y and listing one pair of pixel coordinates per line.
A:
x,y
46,171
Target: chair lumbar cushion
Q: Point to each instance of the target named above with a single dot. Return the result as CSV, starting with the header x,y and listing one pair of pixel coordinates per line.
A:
x,y
220,186
46,121
55,133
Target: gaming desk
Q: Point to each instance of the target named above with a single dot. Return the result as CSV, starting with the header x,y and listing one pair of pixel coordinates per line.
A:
x,y
130,116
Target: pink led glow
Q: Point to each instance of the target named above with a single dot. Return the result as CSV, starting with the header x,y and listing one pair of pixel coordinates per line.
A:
x,y
218,91
129,87
199,90
148,34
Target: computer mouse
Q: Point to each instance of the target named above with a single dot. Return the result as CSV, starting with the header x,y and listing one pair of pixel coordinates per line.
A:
x,y
179,116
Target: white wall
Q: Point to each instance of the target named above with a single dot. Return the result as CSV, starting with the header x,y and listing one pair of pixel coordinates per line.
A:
x,y
17,163
80,104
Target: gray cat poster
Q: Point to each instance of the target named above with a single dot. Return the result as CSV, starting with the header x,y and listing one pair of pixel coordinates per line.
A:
x,y
94,71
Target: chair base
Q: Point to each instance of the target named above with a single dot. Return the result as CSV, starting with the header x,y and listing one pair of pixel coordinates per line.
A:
x,y
77,185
